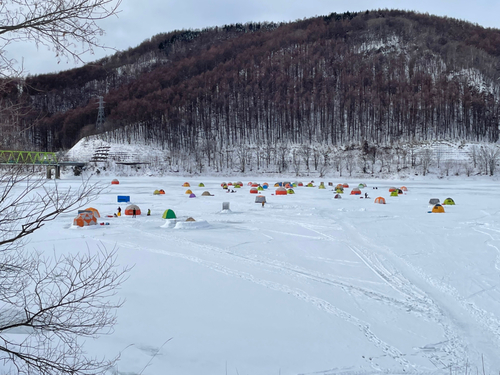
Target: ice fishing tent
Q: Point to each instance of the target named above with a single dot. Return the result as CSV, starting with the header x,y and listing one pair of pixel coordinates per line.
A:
x,y
281,191
277,184
186,184
260,199
290,191
224,184
345,185
253,190
399,191
300,184
380,200
339,190
321,185
115,182
255,185
169,214
237,186
206,194
85,218
96,213
192,195
190,219
394,193
404,188
201,184
433,201
392,188
438,209
355,191
156,192
260,188
130,210
162,191
188,191
449,202
362,185
338,196
310,184
239,183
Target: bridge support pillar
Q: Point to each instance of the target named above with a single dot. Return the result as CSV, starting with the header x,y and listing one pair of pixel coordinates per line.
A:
x,y
57,171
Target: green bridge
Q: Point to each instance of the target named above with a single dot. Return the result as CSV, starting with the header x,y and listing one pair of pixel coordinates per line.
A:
x,y
48,159
28,157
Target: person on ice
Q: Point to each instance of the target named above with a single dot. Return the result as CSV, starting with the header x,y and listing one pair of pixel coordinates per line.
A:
x,y
149,212
366,195
119,211
133,212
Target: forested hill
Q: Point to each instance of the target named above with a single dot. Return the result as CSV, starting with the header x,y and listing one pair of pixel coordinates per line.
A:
x,y
377,76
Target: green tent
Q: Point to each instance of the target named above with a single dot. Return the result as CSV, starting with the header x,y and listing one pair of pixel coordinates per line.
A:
x,y
169,214
156,192
290,191
449,202
394,193
201,184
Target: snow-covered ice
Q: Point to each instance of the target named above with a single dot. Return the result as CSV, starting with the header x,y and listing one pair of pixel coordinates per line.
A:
x,y
307,284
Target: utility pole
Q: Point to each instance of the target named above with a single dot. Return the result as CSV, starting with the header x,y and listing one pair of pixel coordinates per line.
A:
x,y
100,114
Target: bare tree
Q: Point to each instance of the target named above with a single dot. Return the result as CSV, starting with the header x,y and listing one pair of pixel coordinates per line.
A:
x,y
305,152
296,162
426,156
489,156
54,301
68,27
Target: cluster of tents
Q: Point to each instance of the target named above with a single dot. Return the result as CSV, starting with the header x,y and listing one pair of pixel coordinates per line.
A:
x,y
90,215
437,207
193,195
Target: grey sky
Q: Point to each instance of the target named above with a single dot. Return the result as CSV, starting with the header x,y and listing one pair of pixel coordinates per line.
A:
x,y
141,19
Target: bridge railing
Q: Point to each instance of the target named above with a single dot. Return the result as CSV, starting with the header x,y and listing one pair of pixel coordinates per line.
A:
x,y
28,157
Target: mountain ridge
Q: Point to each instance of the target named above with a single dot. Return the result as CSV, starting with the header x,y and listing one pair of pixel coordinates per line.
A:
x,y
377,76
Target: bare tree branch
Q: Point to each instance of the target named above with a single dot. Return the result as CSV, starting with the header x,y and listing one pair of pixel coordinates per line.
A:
x,y
53,301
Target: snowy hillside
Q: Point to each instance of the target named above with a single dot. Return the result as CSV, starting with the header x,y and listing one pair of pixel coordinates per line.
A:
x,y
437,158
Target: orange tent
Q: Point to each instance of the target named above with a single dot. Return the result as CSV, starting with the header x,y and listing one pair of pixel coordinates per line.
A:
x,y
438,209
404,188
391,189
115,182
355,191
84,219
254,191
130,210
186,184
380,200
281,191
346,185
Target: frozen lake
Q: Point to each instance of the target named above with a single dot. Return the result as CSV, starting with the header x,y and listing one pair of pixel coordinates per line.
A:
x,y
306,285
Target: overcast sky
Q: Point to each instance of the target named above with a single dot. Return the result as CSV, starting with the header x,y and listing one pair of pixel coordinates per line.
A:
x,y
141,19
